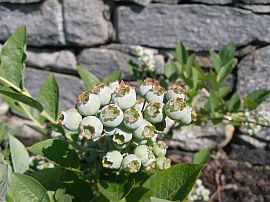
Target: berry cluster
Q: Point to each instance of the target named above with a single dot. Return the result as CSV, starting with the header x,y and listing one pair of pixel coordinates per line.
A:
x,y
116,113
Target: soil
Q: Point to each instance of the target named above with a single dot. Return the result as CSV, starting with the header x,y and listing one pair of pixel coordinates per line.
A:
x,y
237,174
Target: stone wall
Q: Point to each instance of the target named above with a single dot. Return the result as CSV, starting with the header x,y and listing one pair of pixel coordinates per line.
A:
x,y
102,36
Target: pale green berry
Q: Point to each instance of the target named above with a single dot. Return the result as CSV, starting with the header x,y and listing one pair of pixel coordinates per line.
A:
x,y
103,92
178,110
154,112
177,91
88,104
145,154
91,127
122,136
109,131
112,160
146,130
147,85
133,118
124,96
160,148
131,163
155,94
111,115
70,119
163,163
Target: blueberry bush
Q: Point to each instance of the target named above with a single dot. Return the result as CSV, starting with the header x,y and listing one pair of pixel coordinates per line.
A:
x,y
109,147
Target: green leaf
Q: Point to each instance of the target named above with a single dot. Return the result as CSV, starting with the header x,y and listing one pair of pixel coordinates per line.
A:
x,y
201,156
258,96
181,53
140,193
234,103
225,71
21,98
19,155
58,151
50,178
89,79
3,181
224,91
25,188
174,183
227,53
116,75
12,59
171,70
115,191
216,61
49,96
153,199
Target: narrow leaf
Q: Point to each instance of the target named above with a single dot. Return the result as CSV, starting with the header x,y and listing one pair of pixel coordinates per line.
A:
x,y
181,53
225,71
227,52
12,59
174,183
21,98
49,96
116,75
19,155
216,61
57,151
234,103
259,95
25,188
224,91
89,79
3,181
201,156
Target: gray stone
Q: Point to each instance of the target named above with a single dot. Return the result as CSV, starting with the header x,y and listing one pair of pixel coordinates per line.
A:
x,y
103,61
200,27
140,2
69,86
85,23
264,9
168,1
194,138
258,141
63,60
43,21
129,49
254,71
222,2
21,1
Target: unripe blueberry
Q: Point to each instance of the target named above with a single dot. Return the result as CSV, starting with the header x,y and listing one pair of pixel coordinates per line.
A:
x,y
132,118
177,91
160,148
111,115
178,110
145,154
124,96
155,94
131,163
146,130
112,160
103,92
147,85
139,104
91,127
154,112
122,136
163,163
88,104
70,119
